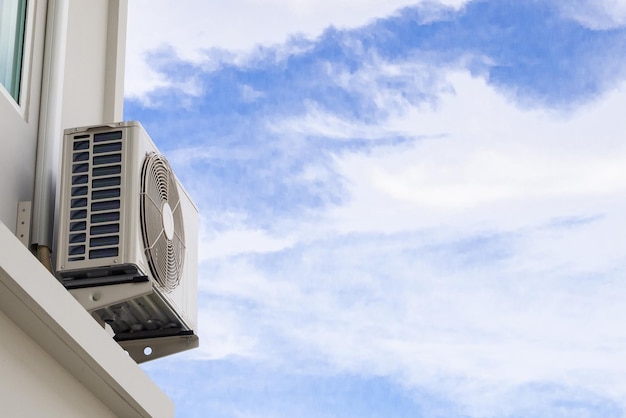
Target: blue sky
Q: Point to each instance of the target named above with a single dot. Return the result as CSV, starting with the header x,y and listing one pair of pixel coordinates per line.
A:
x,y
407,210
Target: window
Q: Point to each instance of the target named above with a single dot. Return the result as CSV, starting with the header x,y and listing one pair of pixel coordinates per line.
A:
x,y
12,23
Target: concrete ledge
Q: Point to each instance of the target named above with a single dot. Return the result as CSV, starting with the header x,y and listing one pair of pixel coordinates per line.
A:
x,y
45,311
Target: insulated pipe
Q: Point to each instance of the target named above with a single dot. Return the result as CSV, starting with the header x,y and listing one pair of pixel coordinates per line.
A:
x,y
43,254
49,135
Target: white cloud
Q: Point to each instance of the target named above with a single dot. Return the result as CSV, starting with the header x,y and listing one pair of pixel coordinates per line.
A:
x,y
490,160
239,241
322,123
395,281
375,83
192,27
596,14
185,156
249,94
223,333
477,158
364,307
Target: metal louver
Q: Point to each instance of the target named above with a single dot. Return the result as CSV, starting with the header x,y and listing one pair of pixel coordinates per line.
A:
x,y
94,217
162,222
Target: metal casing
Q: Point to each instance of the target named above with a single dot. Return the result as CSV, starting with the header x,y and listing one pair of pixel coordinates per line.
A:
x,y
100,254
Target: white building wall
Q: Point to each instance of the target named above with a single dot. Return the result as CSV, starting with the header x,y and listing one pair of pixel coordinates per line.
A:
x,y
52,350
33,384
55,360
19,123
91,88
94,62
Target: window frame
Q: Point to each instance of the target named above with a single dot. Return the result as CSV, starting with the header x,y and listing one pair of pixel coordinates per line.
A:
x,y
21,83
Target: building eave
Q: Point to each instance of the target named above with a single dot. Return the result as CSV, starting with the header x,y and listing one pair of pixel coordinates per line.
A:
x,y
35,301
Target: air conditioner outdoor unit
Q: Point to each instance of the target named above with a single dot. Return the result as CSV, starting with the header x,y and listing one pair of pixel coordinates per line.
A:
x,y
127,239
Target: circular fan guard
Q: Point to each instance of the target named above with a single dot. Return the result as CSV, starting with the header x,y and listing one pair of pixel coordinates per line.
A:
x,y
161,210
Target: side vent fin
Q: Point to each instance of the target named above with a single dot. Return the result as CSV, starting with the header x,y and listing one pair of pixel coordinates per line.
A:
x,y
96,190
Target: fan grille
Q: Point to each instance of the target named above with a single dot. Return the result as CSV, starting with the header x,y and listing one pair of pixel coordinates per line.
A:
x,y
160,209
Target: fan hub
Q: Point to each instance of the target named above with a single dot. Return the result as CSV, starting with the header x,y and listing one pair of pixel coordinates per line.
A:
x,y
168,220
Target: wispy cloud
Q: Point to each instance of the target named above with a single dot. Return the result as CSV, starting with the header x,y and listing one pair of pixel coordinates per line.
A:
x,y
240,241
438,204
596,14
443,287
236,26
491,152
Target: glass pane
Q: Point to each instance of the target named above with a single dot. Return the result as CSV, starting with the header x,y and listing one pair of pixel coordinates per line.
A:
x,y
12,22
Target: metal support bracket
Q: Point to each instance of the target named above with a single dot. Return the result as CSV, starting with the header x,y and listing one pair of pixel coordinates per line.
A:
x,y
22,229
